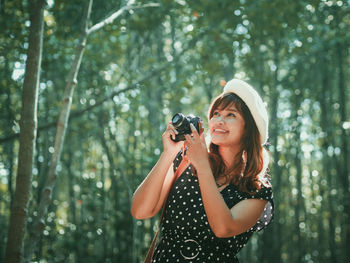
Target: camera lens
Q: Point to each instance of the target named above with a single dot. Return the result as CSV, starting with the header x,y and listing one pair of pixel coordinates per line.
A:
x,y
177,119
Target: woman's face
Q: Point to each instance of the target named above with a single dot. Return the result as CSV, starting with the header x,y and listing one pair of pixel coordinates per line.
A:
x,y
226,126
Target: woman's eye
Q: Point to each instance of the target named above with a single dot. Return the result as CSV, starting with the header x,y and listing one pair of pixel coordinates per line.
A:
x,y
231,115
216,113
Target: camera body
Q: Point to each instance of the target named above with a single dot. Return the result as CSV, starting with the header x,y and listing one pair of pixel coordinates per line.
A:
x,y
182,125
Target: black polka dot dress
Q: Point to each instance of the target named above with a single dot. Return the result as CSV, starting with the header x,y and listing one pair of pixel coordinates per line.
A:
x,y
185,232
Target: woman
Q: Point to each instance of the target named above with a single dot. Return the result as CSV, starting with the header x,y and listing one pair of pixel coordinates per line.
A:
x,y
224,194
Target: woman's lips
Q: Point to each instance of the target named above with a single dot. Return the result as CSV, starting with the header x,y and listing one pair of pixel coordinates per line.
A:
x,y
219,131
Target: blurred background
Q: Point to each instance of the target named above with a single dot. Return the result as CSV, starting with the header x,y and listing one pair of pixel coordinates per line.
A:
x,y
149,63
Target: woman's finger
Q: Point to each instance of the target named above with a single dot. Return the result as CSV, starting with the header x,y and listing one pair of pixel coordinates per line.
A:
x,y
172,129
194,132
202,138
172,135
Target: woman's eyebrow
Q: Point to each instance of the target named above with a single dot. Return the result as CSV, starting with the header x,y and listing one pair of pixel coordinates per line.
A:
x,y
231,109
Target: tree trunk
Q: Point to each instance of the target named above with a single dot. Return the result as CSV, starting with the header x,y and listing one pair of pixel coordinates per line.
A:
x,y
28,125
276,171
344,172
115,188
10,146
341,55
72,199
326,128
299,217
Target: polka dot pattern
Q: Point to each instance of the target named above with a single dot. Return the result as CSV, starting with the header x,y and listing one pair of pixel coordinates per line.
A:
x,y
185,232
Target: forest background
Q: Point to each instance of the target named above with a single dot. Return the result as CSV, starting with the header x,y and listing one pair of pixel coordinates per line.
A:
x,y
91,131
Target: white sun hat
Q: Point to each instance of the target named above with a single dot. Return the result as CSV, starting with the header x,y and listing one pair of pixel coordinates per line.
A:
x,y
254,102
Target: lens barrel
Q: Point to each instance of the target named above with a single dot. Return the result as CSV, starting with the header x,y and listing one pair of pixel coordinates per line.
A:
x,y
178,119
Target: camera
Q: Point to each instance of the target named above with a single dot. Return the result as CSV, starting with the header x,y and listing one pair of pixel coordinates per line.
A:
x,y
182,125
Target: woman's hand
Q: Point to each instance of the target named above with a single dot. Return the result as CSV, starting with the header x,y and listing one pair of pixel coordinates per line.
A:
x,y
197,152
168,144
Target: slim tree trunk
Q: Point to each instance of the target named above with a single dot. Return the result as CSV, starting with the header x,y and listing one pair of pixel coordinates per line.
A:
x,y
10,146
344,172
28,124
72,199
300,203
114,186
325,120
276,171
341,56
105,243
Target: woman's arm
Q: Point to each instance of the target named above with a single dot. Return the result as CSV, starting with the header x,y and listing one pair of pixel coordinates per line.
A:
x,y
150,195
223,221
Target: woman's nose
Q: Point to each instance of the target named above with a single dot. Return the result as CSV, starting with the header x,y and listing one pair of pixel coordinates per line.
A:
x,y
219,119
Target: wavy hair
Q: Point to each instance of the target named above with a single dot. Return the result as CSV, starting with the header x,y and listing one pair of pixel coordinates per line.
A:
x,y
244,175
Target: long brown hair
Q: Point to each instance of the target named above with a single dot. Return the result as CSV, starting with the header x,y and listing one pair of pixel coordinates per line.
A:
x,y
244,176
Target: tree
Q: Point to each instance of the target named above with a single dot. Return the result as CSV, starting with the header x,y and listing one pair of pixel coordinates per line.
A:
x,y
28,124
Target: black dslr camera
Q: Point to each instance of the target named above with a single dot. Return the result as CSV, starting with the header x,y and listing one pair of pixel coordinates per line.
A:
x,y
182,125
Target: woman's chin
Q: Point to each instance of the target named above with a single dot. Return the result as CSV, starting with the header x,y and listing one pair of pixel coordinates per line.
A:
x,y
217,141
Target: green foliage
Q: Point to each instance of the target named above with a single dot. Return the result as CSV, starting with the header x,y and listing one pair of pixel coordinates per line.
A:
x,y
176,57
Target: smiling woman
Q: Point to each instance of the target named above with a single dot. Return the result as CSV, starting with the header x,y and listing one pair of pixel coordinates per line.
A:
x,y
234,133
220,195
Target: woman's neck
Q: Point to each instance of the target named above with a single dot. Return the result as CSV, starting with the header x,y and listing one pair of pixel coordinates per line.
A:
x,y
228,155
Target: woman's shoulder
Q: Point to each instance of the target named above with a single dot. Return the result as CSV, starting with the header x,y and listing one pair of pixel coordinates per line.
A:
x,y
264,192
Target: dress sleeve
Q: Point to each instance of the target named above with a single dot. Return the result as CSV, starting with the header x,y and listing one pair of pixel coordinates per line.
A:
x,y
265,193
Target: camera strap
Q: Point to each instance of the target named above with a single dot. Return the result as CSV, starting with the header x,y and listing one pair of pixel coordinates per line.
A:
x,y
180,169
